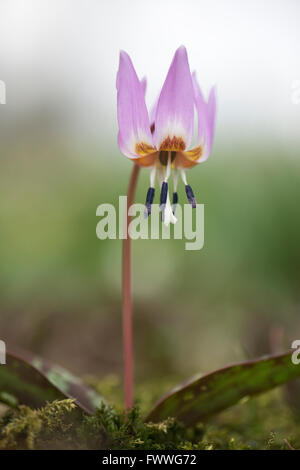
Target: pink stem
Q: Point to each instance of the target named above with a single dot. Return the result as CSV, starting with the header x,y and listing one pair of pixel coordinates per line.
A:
x,y
127,298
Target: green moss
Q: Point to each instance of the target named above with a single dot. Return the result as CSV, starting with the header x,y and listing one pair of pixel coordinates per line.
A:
x,y
264,422
28,428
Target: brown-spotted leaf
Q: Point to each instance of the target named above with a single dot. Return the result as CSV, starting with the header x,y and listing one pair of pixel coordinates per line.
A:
x,y
32,381
200,398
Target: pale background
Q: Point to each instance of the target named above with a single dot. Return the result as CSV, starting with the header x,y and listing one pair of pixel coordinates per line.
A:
x,y
59,285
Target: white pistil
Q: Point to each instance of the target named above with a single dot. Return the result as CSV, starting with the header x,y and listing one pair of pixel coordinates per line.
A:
x,y
168,216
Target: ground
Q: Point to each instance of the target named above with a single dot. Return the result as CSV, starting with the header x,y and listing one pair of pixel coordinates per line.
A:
x,y
269,421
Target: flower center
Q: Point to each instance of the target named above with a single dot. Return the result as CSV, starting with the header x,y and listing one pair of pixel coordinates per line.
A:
x,y
176,144
164,155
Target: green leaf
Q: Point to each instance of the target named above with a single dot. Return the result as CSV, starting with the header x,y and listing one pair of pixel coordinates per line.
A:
x,y
200,398
33,381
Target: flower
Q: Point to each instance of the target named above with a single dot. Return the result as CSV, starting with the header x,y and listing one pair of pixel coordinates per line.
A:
x,y
163,140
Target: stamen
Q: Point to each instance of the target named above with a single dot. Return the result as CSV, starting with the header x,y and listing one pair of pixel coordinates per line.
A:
x,y
175,179
160,177
164,193
151,192
183,176
175,194
175,201
190,196
188,190
175,197
164,188
149,201
152,176
168,169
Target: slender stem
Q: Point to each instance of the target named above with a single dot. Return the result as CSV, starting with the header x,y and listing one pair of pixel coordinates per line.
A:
x,y
127,297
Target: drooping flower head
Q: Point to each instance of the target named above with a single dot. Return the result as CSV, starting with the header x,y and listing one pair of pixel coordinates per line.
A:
x,y
163,141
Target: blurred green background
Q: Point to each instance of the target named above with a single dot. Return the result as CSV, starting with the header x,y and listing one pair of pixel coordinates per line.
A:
x,y
194,310
60,287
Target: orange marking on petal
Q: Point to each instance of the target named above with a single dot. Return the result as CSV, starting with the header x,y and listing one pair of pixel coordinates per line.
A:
x,y
190,158
142,149
195,153
148,160
147,154
175,144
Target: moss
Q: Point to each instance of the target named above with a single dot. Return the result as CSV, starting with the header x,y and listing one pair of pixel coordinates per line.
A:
x,y
29,429
264,422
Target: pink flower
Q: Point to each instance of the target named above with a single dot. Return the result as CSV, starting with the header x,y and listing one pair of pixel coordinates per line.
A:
x,y
163,142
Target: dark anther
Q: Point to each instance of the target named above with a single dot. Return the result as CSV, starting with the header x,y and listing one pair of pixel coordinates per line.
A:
x,y
149,201
152,128
175,201
164,193
190,196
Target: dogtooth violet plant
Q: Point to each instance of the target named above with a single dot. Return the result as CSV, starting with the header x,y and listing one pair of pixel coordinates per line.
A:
x,y
163,142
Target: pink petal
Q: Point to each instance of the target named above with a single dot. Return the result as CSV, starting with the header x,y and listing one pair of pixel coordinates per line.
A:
x,y
201,108
211,106
206,119
152,115
175,108
144,85
134,126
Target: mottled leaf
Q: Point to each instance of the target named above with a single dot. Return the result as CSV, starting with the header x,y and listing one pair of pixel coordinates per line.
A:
x,y
33,381
204,396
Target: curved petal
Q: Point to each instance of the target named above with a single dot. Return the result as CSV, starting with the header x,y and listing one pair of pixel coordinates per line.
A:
x,y
202,115
211,108
153,112
174,120
189,159
134,136
206,112
147,160
144,85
